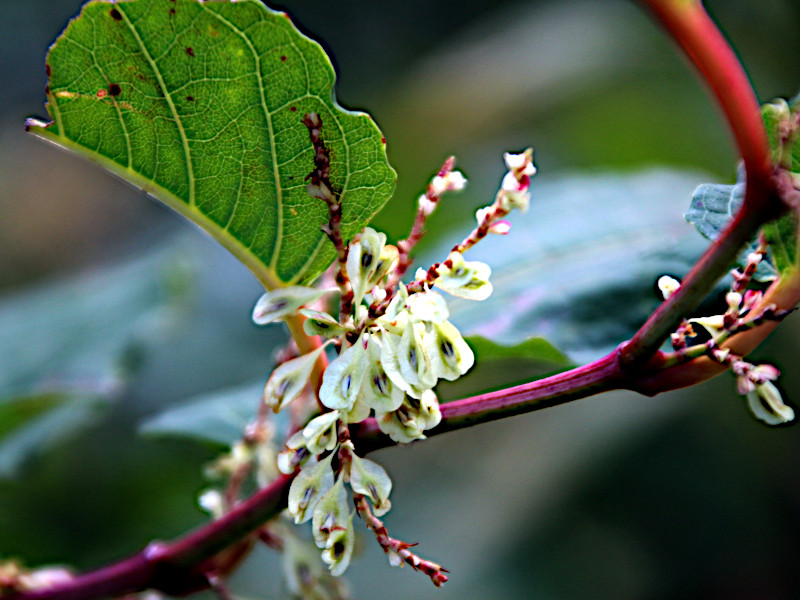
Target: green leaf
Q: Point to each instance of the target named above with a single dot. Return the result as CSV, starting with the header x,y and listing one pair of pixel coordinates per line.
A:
x,y
218,418
200,104
535,348
775,115
29,426
712,208
579,269
782,234
70,347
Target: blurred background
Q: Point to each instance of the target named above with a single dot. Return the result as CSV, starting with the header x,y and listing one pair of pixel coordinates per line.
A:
x,y
616,496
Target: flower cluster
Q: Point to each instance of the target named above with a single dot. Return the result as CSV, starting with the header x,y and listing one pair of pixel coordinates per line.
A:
x,y
744,311
395,343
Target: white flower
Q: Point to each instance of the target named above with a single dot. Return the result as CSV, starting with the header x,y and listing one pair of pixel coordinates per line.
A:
x,y
407,423
288,381
342,379
452,181
332,527
464,279
308,487
521,163
377,389
363,260
278,304
371,480
667,286
766,404
427,306
450,355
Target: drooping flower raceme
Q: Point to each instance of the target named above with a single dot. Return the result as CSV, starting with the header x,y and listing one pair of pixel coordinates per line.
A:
x,y
396,343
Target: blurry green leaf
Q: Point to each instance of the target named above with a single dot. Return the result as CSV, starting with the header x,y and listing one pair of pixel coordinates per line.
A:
x,y
31,425
782,238
67,348
83,335
218,418
712,208
579,269
536,348
775,114
200,104
782,234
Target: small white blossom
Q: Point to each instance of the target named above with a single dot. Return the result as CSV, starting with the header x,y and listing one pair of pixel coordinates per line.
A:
x,y
464,279
521,163
667,286
342,379
280,303
426,205
363,260
308,487
332,526
415,416
450,355
766,404
452,181
371,480
212,502
320,434
288,381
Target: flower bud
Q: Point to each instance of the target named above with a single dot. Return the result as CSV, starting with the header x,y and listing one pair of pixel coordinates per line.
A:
x,y
667,286
279,303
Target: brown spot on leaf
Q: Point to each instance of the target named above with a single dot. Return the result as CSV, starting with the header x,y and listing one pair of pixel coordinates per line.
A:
x,y
190,51
190,98
115,14
114,89
283,58
47,69
293,109
171,12
383,140
101,93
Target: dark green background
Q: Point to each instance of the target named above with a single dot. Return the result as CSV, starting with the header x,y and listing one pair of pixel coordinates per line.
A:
x,y
618,496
